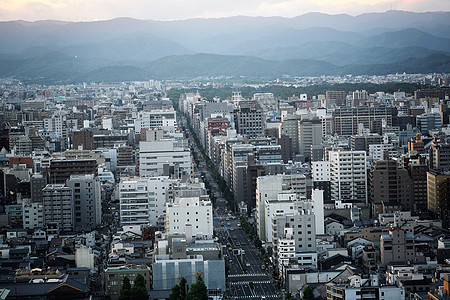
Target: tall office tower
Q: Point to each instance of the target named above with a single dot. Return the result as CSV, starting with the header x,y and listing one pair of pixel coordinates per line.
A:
x,y
163,158
289,127
359,97
191,216
390,187
58,206
37,183
347,119
338,96
238,174
249,119
309,134
417,170
438,194
348,176
86,201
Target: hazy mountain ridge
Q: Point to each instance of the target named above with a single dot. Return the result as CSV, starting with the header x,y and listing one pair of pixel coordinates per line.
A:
x,y
313,42
58,68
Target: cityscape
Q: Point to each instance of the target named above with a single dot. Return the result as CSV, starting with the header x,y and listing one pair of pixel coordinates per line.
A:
x,y
225,153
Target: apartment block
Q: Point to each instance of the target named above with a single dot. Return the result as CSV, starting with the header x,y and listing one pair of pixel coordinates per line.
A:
x,y
58,206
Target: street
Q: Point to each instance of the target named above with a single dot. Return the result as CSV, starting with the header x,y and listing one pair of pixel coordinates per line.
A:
x,y
246,278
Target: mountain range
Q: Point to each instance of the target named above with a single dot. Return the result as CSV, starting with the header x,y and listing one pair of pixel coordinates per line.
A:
x,y
308,45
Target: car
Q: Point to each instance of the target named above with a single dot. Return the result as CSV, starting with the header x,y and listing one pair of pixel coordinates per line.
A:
x,y
247,264
263,267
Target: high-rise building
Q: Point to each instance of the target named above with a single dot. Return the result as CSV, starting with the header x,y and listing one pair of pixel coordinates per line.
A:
x,y
289,127
389,184
37,183
61,169
347,119
427,122
143,200
440,156
438,192
321,176
86,201
359,97
249,119
158,158
83,139
309,134
417,171
348,176
158,118
58,206
338,96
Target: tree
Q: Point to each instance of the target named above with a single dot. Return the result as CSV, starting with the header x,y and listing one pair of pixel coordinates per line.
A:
x,y
67,249
139,290
184,287
125,291
176,293
308,293
198,290
180,290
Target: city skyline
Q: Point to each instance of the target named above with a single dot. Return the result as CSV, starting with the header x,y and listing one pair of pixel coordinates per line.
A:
x,y
83,10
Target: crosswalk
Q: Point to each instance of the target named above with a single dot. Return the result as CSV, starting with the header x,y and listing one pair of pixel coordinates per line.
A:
x,y
249,274
248,282
256,297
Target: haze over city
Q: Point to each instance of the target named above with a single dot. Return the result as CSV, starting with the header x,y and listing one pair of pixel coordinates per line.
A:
x,y
92,10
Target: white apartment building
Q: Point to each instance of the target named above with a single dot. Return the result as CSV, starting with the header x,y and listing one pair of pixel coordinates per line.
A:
x,y
86,201
268,187
33,214
285,248
54,124
294,230
315,206
284,203
155,158
159,118
321,171
198,213
376,151
143,200
58,206
348,176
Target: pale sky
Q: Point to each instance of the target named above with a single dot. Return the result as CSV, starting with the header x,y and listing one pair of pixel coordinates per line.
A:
x,y
90,10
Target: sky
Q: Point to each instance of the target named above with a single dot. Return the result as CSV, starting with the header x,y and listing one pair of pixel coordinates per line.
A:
x,y
93,10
